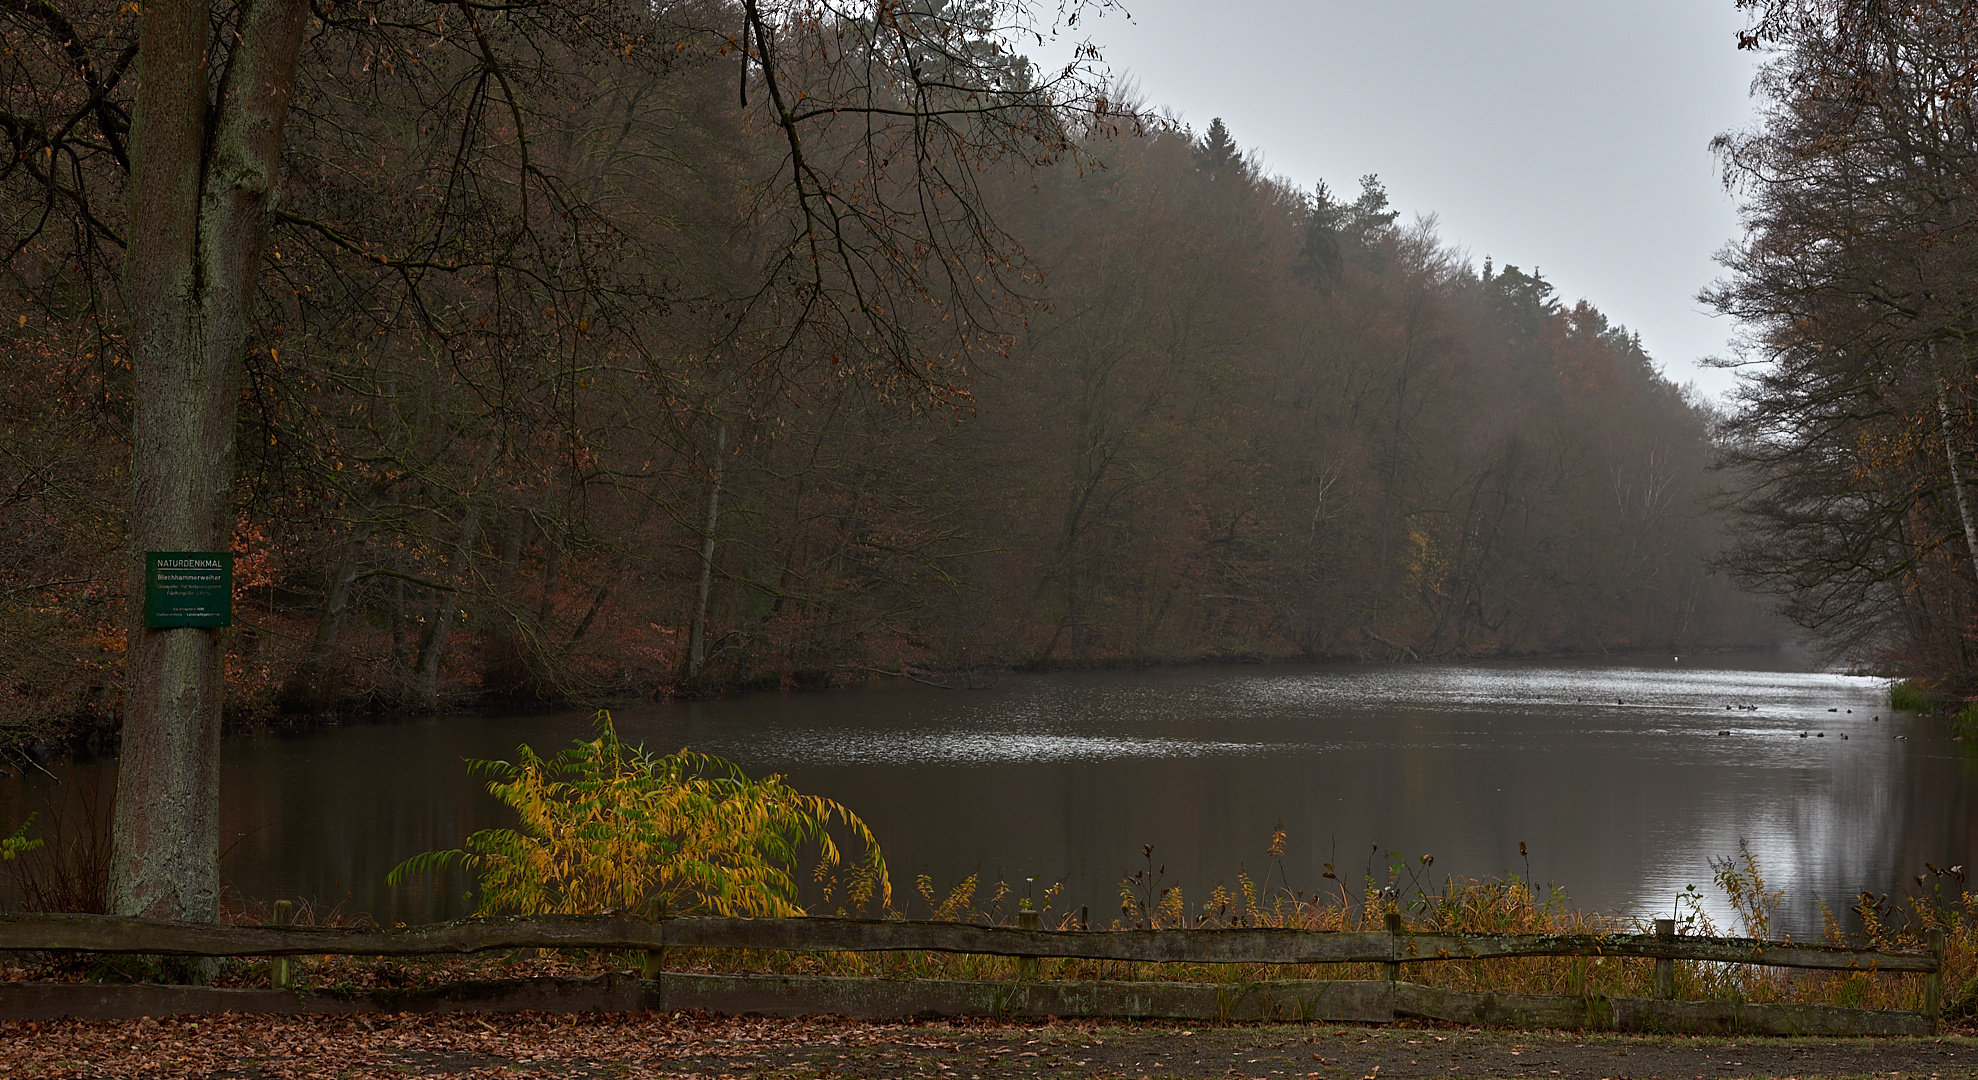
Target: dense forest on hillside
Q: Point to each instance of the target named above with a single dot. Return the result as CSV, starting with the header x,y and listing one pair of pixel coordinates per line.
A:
x,y
609,429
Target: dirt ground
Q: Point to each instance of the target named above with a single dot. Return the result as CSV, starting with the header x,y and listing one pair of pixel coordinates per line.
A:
x,y
529,1045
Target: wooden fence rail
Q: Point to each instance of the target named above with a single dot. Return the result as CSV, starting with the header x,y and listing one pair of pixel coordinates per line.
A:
x,y
1394,947
103,933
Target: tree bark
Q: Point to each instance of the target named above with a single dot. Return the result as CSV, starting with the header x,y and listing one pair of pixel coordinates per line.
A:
x,y
313,686
202,182
697,633
426,669
1957,474
432,642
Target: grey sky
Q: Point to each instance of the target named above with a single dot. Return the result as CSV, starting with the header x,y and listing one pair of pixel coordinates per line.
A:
x,y
1570,136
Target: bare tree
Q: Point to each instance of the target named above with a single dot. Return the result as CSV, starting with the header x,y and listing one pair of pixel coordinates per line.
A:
x,y
886,113
1853,284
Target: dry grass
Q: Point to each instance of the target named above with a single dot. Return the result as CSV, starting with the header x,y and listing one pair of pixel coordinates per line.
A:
x,y
1499,906
1495,906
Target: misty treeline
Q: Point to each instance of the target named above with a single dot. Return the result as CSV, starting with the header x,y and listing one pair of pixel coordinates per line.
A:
x,y
1857,287
590,360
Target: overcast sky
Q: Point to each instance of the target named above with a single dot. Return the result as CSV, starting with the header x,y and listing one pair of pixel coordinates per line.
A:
x,y
1568,136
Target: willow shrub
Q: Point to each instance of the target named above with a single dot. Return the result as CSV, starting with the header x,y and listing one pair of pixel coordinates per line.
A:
x,y
610,828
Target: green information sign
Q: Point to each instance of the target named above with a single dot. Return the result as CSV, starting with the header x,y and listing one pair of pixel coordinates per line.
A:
x,y
188,588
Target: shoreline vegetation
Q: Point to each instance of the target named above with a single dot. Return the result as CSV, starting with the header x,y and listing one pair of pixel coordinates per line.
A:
x,y
603,827
1502,906
1911,695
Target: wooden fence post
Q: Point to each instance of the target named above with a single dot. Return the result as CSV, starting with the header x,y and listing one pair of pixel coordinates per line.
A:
x,y
652,962
1392,969
1933,982
280,974
1665,967
1026,966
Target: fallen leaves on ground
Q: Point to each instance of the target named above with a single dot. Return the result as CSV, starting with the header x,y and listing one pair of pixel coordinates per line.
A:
x,y
681,1046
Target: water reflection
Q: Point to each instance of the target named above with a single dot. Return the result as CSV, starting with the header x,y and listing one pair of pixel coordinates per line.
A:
x,y
1622,781
951,748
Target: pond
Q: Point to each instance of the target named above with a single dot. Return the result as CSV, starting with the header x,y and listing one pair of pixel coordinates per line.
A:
x,y
1618,781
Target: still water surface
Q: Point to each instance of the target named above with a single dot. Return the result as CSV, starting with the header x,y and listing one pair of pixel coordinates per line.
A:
x,y
1617,779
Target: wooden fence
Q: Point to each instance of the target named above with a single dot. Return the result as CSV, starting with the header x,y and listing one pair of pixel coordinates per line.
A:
x,y
1372,1000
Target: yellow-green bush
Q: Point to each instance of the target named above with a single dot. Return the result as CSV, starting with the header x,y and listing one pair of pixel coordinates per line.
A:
x,y
11,846
605,827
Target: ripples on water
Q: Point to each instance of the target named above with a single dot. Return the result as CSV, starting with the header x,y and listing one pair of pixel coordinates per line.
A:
x,y
1104,711
1617,778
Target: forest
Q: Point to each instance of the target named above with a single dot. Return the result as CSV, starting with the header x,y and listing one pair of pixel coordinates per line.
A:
x,y
1852,430
590,356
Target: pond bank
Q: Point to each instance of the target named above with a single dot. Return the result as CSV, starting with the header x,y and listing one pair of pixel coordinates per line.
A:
x,y
1613,780
96,729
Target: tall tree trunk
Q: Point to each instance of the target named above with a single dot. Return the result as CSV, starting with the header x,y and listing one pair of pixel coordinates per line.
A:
x,y
432,642
697,633
401,646
512,667
312,687
426,669
1957,473
202,180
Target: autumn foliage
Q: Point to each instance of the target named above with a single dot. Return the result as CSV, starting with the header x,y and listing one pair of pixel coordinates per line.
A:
x,y
609,828
1048,386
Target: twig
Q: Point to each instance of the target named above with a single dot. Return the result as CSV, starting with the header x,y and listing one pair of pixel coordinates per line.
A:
x,y
30,760
47,585
925,681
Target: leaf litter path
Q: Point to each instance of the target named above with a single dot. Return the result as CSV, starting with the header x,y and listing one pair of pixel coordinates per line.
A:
x,y
681,1046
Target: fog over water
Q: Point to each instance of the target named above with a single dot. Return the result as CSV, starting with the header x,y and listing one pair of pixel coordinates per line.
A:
x,y
1615,777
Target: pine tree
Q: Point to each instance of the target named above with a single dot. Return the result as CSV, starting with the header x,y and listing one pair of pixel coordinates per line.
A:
x,y
1217,156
